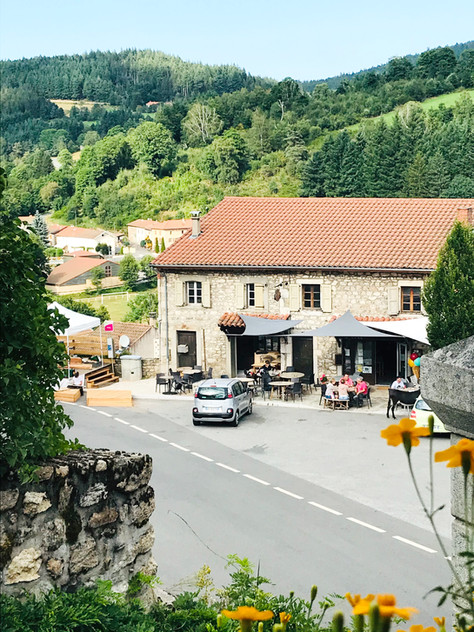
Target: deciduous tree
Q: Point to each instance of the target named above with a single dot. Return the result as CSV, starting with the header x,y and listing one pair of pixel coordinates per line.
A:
x,y
128,271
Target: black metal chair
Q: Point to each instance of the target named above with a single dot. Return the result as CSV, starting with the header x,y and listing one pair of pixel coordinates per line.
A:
x,y
323,392
295,389
197,367
308,382
265,387
224,377
209,372
161,380
366,397
289,369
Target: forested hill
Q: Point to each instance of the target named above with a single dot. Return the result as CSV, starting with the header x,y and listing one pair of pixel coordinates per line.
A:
x,y
128,78
335,82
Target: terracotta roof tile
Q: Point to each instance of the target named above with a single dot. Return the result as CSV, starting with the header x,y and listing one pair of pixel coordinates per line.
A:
x,y
78,231
168,224
72,269
133,330
231,319
386,233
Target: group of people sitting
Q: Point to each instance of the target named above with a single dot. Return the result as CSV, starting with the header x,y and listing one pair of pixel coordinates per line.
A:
x,y
346,389
265,370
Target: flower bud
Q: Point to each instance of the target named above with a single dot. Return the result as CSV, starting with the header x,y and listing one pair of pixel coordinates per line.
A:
x,y
314,592
338,622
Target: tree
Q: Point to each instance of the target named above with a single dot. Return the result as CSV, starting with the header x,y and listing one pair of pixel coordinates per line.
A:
x,y
128,271
399,68
226,158
436,63
201,124
145,266
163,247
157,245
40,228
153,145
31,357
83,308
103,249
448,296
140,307
97,275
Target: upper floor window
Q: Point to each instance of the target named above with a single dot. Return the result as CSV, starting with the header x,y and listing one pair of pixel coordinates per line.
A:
x,y
194,292
108,271
411,299
250,294
311,296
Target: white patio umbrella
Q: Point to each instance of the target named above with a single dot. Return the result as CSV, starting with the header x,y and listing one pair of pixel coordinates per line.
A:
x,y
77,323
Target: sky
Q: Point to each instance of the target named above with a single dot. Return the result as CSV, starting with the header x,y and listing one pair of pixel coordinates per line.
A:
x,y
303,39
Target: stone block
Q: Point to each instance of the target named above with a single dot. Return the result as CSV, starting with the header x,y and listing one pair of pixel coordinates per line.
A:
x,y
54,533
103,517
62,470
44,473
145,543
35,503
54,567
24,567
93,495
101,465
84,556
142,509
8,498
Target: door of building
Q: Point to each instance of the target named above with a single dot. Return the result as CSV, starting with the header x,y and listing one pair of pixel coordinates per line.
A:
x,y
187,348
303,355
402,359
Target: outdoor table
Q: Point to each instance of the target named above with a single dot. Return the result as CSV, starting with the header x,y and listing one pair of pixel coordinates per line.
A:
x,y
170,386
189,371
280,385
291,374
184,368
248,380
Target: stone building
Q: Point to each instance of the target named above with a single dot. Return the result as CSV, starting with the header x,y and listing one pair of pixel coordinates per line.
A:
x,y
308,260
75,275
153,231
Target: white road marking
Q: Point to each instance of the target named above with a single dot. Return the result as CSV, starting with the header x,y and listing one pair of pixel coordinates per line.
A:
x,y
101,412
126,423
159,438
86,407
138,428
257,480
201,456
324,508
367,525
415,544
89,408
284,491
180,447
227,467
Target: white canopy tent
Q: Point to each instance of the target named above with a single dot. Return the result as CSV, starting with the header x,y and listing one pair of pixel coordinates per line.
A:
x,y
414,328
77,323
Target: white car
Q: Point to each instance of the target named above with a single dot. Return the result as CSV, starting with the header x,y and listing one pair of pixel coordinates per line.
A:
x,y
224,400
420,413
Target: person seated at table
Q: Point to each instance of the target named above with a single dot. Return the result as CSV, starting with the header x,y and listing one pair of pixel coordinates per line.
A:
x,y
398,383
77,382
343,390
252,372
265,368
361,390
348,381
331,390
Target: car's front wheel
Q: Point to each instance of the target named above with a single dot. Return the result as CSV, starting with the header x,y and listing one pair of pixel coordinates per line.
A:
x,y
250,408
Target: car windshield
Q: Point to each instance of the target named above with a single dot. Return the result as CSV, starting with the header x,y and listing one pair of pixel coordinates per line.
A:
x,y
422,405
212,392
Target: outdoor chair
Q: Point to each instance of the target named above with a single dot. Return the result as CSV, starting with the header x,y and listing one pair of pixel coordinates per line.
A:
x,y
197,367
289,369
308,382
161,380
187,382
294,390
265,387
366,398
323,392
224,377
209,372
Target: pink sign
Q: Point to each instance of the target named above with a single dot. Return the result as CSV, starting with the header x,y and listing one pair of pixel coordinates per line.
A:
x,y
108,325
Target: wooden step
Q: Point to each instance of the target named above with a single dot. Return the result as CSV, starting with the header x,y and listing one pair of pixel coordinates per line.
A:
x,y
67,395
110,398
103,381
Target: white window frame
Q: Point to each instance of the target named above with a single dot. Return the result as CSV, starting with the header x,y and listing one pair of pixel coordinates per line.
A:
x,y
194,292
250,294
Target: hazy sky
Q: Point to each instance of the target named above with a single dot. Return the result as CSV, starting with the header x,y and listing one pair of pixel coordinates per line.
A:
x,y
304,39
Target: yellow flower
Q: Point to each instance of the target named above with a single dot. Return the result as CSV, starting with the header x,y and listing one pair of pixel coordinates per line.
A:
x,y
404,432
459,455
387,607
420,628
354,600
285,617
248,613
440,621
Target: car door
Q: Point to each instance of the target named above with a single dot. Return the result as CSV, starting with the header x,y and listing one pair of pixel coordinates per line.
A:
x,y
238,396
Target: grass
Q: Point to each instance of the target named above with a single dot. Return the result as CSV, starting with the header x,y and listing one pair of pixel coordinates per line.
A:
x,y
116,304
68,104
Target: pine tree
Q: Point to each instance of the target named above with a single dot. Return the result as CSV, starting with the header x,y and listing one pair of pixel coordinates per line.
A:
x,y
437,175
163,244
312,177
417,177
40,228
157,245
449,292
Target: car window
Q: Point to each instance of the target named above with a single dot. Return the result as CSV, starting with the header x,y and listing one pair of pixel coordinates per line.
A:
x,y
422,405
212,392
236,389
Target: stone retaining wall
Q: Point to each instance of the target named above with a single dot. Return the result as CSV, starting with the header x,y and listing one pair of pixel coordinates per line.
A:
x,y
150,367
86,518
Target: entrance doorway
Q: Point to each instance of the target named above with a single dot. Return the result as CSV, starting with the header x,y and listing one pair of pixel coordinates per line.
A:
x,y
187,348
303,355
386,361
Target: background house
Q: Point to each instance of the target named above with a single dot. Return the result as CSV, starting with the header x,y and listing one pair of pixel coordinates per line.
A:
x,y
72,238
169,230
309,259
75,275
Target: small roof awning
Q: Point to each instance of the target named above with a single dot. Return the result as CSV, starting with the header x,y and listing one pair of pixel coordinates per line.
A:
x,y
414,328
346,326
255,326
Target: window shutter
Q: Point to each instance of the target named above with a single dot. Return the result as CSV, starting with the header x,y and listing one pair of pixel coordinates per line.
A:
x,y
393,307
179,292
259,296
295,297
206,294
326,297
239,296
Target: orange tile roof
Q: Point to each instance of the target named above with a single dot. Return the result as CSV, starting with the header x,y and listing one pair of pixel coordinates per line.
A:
x,y
133,330
55,228
78,231
362,233
231,319
72,269
168,224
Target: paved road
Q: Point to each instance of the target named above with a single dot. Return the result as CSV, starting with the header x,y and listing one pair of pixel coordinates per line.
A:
x,y
214,499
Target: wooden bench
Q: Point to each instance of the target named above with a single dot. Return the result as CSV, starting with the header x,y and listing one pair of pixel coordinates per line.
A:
x,y
336,403
67,395
109,398
77,363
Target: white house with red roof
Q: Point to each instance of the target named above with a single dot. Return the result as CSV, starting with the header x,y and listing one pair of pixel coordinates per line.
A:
x,y
301,259
169,230
71,238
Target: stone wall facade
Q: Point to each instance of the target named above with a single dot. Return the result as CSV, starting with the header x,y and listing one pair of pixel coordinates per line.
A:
x,y
87,517
150,367
364,294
